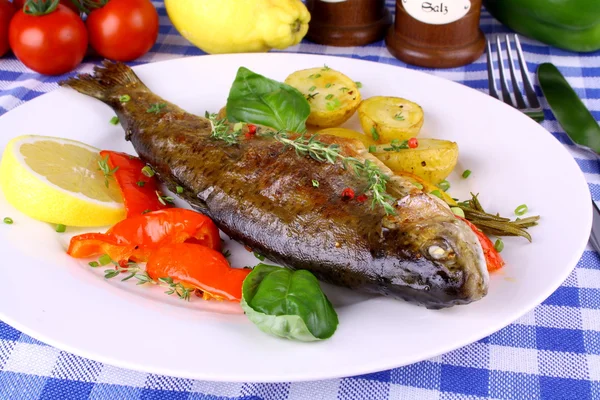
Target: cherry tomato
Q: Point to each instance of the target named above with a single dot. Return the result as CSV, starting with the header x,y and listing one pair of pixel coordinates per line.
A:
x,y
20,3
7,10
123,30
50,44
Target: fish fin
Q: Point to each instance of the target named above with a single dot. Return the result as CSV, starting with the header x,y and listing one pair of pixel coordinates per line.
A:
x,y
102,84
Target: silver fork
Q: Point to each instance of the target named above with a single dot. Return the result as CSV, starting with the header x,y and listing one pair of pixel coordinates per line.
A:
x,y
532,108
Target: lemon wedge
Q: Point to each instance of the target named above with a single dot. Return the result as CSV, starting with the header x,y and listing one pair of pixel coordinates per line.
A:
x,y
59,181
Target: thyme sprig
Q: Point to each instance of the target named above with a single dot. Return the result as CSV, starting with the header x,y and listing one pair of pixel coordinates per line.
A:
x,y
220,129
106,170
134,271
322,152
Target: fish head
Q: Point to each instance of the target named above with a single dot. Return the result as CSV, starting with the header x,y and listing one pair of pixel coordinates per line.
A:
x,y
447,261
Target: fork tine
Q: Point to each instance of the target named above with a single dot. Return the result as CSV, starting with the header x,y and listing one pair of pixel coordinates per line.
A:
x,y
513,77
490,69
529,91
503,84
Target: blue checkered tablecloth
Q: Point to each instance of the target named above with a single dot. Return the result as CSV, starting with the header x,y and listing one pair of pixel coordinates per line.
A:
x,y
551,353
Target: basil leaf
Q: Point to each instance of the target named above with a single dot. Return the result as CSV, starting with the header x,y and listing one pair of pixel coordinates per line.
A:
x,y
256,99
288,304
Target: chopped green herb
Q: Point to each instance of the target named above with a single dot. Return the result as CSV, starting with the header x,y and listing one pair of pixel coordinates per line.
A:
x,y
499,245
60,228
344,89
372,148
179,189
124,98
164,199
315,183
332,105
329,97
399,116
397,145
418,185
220,129
358,84
140,183
311,96
325,68
93,264
148,171
226,253
146,212
328,85
314,76
7,220
458,211
522,209
105,168
312,88
105,259
114,120
259,256
374,133
444,185
466,173
436,193
156,108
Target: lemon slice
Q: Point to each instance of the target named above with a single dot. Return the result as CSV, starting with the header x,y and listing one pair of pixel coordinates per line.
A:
x,y
59,181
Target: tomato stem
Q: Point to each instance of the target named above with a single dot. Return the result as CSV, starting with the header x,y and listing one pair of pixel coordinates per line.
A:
x,y
88,6
40,7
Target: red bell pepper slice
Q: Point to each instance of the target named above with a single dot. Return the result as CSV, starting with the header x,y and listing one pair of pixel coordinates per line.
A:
x,y
199,267
493,259
138,190
136,238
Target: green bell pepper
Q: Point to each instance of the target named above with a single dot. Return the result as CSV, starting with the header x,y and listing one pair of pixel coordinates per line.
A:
x,y
567,24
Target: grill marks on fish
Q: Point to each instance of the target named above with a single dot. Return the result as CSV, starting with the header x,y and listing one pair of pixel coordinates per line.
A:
x,y
260,193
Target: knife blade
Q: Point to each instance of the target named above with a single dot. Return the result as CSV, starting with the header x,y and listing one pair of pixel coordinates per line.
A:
x,y
577,121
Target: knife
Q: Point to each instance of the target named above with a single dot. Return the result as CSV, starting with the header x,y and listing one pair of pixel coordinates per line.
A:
x,y
576,120
569,110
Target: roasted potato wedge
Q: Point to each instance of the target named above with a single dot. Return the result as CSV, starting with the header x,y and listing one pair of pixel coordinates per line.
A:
x,y
333,97
388,118
348,133
433,160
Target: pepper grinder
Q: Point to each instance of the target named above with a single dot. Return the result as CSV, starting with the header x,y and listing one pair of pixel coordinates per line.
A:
x,y
347,22
436,34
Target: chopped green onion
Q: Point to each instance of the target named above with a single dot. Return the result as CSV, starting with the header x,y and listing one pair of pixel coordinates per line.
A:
x,y
93,264
312,88
458,211
436,193
60,228
522,209
374,133
444,185
328,85
499,245
124,98
114,120
146,211
179,189
418,185
372,148
329,97
140,183
466,173
358,84
148,171
259,256
315,183
104,259
7,220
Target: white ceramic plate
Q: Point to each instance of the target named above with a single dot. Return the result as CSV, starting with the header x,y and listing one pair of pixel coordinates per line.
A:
x,y
63,302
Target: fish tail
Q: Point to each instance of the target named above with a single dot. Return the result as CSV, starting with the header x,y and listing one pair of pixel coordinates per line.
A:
x,y
105,82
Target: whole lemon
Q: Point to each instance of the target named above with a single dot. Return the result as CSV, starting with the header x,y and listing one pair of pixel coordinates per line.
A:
x,y
238,26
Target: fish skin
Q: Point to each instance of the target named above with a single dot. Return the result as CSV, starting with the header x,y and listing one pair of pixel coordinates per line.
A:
x,y
261,194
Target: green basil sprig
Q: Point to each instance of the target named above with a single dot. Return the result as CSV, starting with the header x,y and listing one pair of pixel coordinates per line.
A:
x,y
256,99
289,304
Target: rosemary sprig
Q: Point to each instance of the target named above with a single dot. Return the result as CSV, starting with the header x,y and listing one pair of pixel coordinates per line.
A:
x,y
495,224
322,152
142,277
105,168
220,129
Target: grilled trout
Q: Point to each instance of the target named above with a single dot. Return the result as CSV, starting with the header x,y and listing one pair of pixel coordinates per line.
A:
x,y
261,193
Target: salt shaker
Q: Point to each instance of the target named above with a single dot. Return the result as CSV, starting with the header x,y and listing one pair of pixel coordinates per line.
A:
x,y
437,34
347,22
